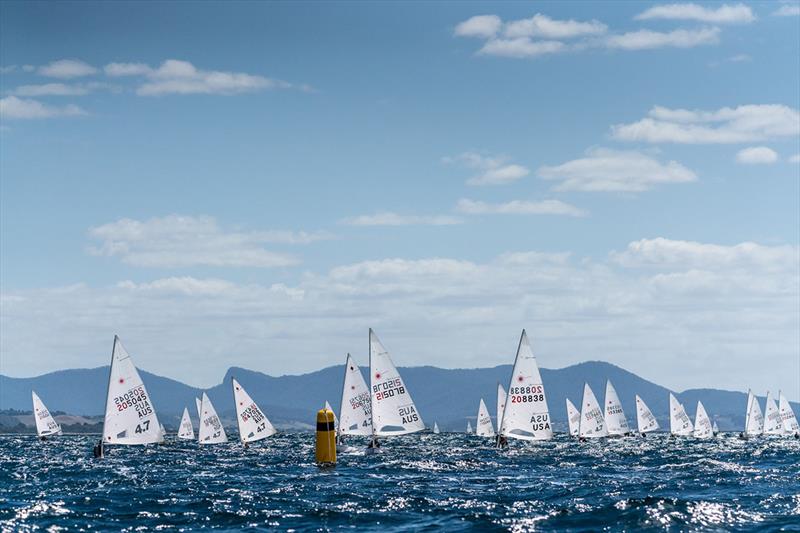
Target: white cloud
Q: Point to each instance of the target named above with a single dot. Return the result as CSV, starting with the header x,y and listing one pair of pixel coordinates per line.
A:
x,y
756,155
648,39
669,310
493,170
7,69
724,14
520,47
545,27
127,69
181,77
787,10
178,241
394,219
615,171
795,158
479,26
741,124
25,108
66,69
519,207
51,89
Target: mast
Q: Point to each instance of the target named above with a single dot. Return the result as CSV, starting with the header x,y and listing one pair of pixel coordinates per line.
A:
x,y
108,391
511,381
341,401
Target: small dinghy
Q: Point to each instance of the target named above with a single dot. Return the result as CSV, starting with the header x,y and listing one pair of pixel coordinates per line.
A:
x,y
702,424
754,420
469,427
790,425
645,421
211,430
593,424
679,422
483,426
435,428
252,422
46,425
130,417
355,414
186,431
616,423
393,410
773,425
574,419
525,415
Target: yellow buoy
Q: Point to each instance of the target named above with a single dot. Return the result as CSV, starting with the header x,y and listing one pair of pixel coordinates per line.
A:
x,y
326,438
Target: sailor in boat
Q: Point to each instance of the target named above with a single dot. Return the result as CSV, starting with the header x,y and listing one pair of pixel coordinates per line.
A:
x,y
98,450
43,438
374,443
502,442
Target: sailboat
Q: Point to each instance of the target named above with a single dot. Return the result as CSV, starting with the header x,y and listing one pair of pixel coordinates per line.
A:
x,y
679,422
186,431
46,425
355,416
525,415
211,430
435,428
645,421
199,412
593,424
335,418
252,422
501,405
162,433
773,425
790,425
715,429
616,422
754,420
393,410
130,417
483,425
702,424
469,427
574,419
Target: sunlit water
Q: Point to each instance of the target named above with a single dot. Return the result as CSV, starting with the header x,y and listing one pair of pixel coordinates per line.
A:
x,y
450,481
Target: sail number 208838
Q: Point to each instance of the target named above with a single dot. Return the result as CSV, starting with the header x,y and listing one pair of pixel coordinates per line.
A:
x,y
532,393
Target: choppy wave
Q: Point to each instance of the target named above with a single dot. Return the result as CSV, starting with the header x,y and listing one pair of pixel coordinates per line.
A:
x,y
450,481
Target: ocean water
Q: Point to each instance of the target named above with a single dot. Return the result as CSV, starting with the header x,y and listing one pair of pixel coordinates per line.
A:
x,y
418,482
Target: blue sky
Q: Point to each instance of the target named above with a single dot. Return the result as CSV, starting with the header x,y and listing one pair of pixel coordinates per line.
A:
x,y
256,184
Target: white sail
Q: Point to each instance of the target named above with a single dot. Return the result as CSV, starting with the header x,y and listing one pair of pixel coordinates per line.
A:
x,y
435,428
787,416
46,425
335,418
593,424
393,410
355,417
702,424
616,423
483,426
526,415
186,431
679,421
754,420
469,427
130,417
501,405
574,418
773,425
715,428
199,411
211,430
644,417
253,423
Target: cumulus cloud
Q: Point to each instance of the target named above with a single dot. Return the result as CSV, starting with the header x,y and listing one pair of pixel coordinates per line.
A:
x,y
479,26
519,207
520,47
795,158
648,39
12,107
757,155
741,124
67,69
667,309
178,241
387,218
545,27
492,170
51,89
174,76
724,14
615,171
787,10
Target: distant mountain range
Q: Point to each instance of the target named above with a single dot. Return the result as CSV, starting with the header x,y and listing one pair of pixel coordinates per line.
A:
x,y
447,396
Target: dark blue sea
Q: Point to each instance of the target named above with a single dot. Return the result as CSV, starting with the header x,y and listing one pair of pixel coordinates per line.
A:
x,y
452,482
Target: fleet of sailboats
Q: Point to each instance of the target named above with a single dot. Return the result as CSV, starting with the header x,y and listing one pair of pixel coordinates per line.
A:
x,y
386,408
